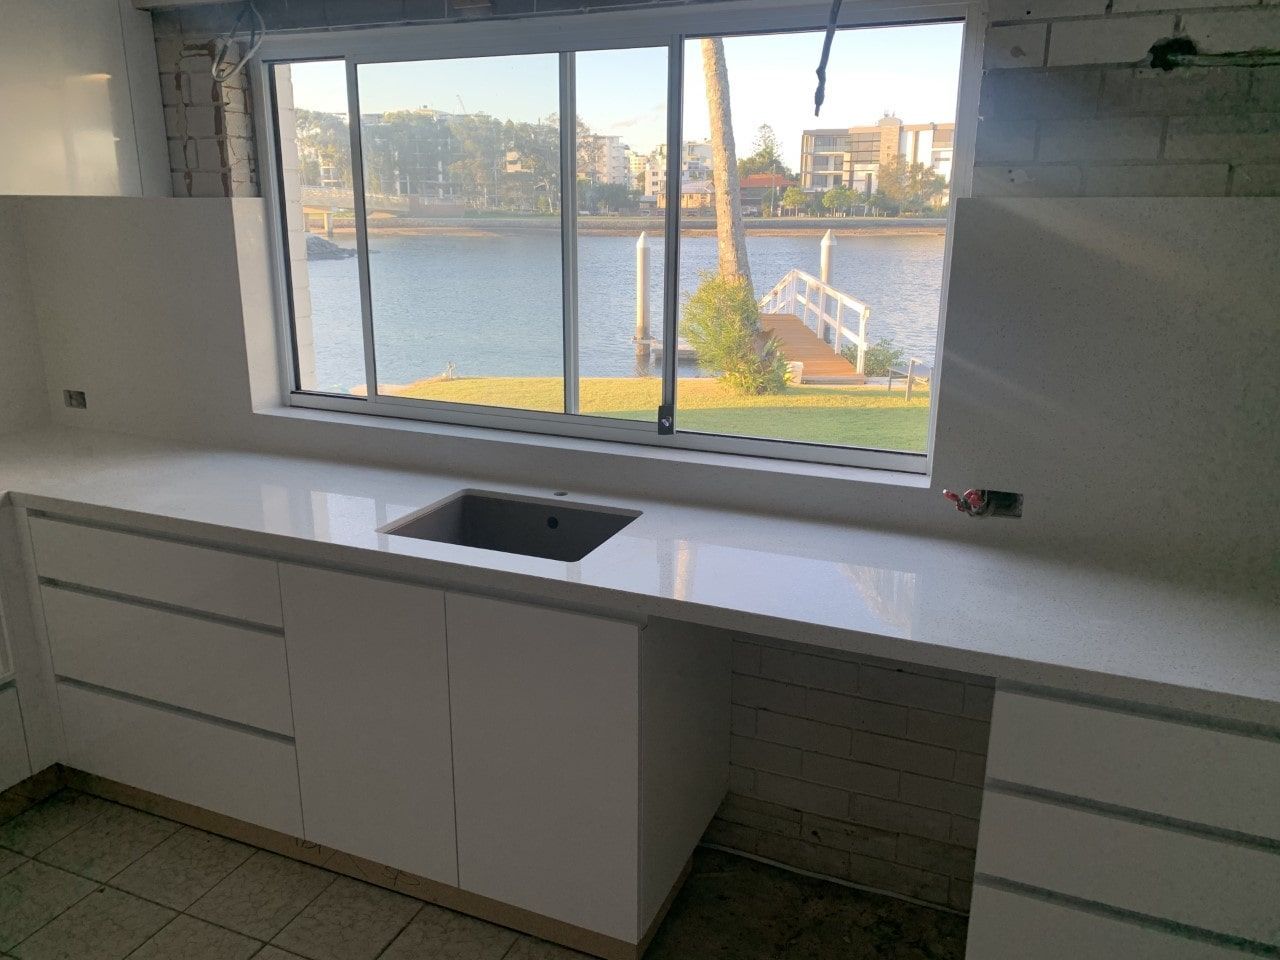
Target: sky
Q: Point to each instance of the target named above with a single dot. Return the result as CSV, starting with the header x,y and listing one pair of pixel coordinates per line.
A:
x,y
911,71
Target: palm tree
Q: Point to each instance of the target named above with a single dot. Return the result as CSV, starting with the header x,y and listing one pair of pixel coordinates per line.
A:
x,y
731,234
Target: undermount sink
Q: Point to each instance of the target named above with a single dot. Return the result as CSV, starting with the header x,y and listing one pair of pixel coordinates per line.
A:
x,y
553,529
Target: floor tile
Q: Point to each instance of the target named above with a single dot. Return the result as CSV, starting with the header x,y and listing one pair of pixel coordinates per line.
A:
x,y
530,948
183,868
349,921
262,895
105,925
12,804
48,822
33,894
187,938
9,860
730,906
439,934
108,843
275,953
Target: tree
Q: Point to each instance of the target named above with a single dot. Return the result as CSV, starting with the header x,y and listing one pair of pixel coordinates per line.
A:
x,y
906,186
481,155
766,156
838,199
324,142
731,234
722,323
795,198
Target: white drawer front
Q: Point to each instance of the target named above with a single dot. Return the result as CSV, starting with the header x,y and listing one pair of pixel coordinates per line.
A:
x,y
1213,884
1190,773
253,777
245,588
209,667
13,741
1007,926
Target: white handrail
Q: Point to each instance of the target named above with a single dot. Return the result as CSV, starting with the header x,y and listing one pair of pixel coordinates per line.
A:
x,y
805,296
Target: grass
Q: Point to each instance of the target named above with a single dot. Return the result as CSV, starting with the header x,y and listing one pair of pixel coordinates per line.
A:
x,y
864,416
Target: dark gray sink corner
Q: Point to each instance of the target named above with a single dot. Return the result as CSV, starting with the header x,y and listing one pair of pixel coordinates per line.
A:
x,y
533,527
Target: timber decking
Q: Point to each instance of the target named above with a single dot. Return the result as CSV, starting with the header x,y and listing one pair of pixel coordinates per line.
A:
x,y
821,363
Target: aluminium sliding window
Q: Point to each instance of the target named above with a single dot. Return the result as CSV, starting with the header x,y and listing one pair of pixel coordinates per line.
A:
x,y
507,239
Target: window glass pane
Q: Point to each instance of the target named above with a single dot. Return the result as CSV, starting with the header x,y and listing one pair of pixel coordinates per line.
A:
x,y
781,358
462,198
622,131
317,206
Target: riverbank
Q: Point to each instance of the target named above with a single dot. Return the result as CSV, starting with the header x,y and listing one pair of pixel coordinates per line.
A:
x,y
486,226
867,416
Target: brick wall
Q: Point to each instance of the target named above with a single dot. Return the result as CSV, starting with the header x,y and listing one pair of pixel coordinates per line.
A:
x,y
210,125
1066,109
855,768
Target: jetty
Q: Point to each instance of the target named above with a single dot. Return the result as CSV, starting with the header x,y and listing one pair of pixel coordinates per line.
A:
x,y
813,322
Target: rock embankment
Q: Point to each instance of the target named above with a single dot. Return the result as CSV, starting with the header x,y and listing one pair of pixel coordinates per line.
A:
x,y
318,248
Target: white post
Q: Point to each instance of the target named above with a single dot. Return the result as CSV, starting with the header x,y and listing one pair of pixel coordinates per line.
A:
x,y
642,287
862,339
828,241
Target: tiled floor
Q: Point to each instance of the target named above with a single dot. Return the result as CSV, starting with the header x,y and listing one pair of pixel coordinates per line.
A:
x,y
85,879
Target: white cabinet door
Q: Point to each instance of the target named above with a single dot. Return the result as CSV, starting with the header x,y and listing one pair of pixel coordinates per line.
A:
x,y
545,709
369,676
13,740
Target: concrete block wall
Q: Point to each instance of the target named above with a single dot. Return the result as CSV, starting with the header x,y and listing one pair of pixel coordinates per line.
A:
x,y
1069,107
856,768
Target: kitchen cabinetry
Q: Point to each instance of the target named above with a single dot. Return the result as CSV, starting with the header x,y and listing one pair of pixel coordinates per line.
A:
x,y
575,780
550,769
1112,830
13,743
369,674
170,668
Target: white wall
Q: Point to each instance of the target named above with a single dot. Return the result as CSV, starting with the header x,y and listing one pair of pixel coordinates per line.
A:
x,y
80,105
22,396
1112,359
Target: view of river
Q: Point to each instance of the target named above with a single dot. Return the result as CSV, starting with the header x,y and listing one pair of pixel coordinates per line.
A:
x,y
491,304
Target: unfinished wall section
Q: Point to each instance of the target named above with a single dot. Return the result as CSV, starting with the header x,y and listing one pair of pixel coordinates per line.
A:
x,y
1071,108
210,125
856,768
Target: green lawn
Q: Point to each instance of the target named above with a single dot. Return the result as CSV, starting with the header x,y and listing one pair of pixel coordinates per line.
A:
x,y
864,416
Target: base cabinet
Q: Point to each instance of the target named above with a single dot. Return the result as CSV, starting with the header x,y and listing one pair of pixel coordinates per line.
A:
x,y
369,677
551,728
13,739
1110,830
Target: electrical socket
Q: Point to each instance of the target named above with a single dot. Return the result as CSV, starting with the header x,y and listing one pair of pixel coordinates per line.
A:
x,y
75,399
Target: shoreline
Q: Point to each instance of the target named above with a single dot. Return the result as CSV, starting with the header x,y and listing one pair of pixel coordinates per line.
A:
x,y
632,226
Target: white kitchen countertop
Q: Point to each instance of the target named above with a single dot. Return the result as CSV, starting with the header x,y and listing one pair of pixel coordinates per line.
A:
x,y
936,602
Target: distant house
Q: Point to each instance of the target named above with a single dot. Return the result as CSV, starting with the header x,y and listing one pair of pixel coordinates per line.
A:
x,y
694,195
762,191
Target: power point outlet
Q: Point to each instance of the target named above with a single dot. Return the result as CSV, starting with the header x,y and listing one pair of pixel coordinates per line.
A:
x,y
75,399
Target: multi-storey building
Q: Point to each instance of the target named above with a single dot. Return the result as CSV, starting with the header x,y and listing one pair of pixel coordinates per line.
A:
x,y
851,156
695,165
604,159
409,152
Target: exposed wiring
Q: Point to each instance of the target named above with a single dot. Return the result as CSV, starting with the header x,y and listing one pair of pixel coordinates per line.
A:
x,y
223,71
1184,52
821,93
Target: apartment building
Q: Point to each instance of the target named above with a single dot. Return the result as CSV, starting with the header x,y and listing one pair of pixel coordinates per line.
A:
x,y
851,157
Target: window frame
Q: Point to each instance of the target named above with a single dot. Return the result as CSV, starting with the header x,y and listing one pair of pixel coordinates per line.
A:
x,y
567,35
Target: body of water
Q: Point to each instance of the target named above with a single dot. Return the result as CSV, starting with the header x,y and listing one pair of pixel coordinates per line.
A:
x,y
490,305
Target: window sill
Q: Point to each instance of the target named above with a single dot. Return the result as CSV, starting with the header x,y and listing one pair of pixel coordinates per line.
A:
x,y
509,444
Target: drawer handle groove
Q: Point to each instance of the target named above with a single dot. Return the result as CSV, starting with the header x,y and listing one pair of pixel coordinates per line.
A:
x,y
171,708
1186,931
1141,817
161,606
